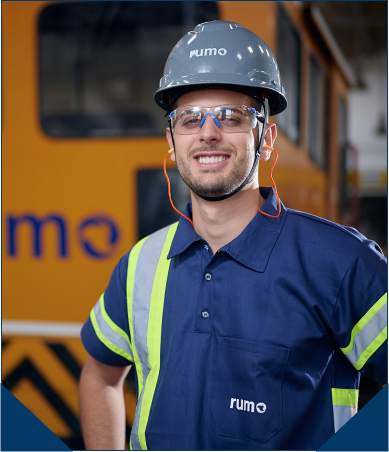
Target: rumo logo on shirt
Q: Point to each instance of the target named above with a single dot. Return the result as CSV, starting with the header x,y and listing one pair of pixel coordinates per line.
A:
x,y
205,52
246,405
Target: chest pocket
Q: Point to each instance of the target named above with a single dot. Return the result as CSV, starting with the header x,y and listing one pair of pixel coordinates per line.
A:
x,y
247,402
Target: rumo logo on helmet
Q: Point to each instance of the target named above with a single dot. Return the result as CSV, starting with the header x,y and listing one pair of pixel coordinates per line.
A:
x,y
205,52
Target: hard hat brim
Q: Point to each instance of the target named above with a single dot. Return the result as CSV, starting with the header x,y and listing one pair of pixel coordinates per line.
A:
x,y
167,94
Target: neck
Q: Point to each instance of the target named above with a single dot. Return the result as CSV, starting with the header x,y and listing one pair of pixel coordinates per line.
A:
x,y
220,222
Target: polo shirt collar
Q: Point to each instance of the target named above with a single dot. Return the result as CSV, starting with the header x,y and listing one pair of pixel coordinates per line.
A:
x,y
185,234
253,246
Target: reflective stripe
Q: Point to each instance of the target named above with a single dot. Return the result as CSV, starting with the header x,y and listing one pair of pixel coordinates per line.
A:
x,y
368,334
132,260
148,269
346,397
108,332
345,405
343,414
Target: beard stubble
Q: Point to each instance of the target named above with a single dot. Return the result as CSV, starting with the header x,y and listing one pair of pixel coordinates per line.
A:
x,y
216,184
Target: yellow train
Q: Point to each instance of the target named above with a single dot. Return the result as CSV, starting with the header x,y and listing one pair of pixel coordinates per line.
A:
x,y
83,147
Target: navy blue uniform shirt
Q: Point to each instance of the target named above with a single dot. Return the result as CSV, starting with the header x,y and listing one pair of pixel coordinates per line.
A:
x,y
259,324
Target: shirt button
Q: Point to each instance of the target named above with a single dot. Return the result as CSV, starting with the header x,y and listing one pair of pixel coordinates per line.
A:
x,y
205,314
206,248
208,276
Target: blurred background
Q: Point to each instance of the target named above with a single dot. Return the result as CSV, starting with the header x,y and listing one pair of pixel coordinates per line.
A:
x,y
83,146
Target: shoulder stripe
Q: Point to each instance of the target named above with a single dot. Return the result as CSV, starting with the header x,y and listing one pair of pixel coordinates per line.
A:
x,y
371,348
110,323
112,336
368,334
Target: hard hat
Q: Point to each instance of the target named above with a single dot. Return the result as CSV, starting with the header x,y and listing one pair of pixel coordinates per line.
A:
x,y
221,54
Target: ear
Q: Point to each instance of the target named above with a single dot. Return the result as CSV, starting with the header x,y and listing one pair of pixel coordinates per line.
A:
x,y
270,138
170,141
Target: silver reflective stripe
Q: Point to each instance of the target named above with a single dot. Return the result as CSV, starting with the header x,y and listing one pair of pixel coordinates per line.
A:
x,y
143,284
115,338
342,414
367,335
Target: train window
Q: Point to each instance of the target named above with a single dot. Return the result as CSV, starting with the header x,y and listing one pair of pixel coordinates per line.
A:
x,y
154,208
318,117
289,60
100,64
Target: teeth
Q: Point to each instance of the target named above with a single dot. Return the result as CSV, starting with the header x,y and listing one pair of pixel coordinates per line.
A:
x,y
211,159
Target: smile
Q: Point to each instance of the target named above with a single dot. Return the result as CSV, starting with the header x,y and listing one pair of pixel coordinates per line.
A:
x,y
211,159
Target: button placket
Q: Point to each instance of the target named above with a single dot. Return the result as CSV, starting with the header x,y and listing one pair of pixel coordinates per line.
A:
x,y
204,306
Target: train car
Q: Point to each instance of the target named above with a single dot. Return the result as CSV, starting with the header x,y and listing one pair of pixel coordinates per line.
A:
x,y
83,147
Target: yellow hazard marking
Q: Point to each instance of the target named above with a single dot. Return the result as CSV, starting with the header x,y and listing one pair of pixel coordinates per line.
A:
x,y
27,393
76,349
56,374
47,364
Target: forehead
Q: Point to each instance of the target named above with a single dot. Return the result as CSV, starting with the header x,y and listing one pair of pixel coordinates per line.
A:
x,y
213,98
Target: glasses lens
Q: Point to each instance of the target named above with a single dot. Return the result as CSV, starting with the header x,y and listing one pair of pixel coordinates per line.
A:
x,y
235,118
187,120
230,118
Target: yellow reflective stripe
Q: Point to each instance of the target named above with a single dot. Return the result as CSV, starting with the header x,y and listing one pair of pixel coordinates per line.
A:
x,y
106,341
347,397
111,324
154,333
372,348
363,321
132,259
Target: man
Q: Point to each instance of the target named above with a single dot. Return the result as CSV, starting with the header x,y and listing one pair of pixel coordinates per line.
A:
x,y
248,323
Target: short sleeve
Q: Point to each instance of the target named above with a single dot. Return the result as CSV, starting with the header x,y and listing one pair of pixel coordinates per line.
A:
x,y
359,321
105,335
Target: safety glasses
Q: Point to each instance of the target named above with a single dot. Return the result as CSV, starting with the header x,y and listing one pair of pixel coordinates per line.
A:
x,y
188,120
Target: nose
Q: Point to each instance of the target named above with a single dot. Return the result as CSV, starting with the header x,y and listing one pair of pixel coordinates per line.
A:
x,y
209,130
214,118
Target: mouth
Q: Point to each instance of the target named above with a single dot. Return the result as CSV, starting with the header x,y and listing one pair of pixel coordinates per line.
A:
x,y
211,160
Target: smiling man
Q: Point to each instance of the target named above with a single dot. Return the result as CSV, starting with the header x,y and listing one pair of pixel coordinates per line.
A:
x,y
248,323
219,159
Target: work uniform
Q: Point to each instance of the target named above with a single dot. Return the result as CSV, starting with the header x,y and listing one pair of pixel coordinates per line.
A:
x,y
257,347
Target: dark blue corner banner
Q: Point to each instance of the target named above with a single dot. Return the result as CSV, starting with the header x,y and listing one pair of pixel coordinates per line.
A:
x,y
21,430
367,430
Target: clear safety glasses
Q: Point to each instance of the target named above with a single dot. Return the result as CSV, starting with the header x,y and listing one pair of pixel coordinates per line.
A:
x,y
189,119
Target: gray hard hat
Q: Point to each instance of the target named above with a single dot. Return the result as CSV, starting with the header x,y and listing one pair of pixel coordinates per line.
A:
x,y
221,54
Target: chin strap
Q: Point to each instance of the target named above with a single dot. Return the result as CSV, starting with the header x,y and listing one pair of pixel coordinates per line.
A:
x,y
255,164
261,145
170,151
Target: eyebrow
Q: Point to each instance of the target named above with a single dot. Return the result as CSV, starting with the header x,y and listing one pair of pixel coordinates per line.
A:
x,y
235,110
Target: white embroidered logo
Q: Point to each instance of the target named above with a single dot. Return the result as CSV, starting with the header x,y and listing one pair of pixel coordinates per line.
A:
x,y
246,405
205,52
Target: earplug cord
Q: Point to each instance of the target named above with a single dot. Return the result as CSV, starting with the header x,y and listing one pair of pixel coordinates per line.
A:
x,y
271,177
168,186
274,184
